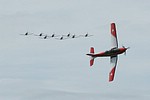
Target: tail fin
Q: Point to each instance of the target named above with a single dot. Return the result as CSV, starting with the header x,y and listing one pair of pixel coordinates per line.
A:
x,y
91,58
92,50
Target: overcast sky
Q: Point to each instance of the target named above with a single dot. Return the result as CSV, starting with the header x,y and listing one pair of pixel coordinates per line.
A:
x,y
35,69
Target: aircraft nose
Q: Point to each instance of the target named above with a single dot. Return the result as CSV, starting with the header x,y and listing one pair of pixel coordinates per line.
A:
x,y
124,48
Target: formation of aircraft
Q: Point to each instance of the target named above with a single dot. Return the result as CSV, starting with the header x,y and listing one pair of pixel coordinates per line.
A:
x,y
112,53
58,37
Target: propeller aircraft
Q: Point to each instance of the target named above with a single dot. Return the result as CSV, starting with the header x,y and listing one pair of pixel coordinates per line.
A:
x,y
112,53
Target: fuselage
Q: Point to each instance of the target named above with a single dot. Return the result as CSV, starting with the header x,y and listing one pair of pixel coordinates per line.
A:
x,y
109,53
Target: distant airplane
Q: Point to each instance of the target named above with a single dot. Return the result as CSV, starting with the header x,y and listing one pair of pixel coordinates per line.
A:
x,y
41,34
27,33
53,35
61,38
74,36
45,37
68,35
112,53
86,35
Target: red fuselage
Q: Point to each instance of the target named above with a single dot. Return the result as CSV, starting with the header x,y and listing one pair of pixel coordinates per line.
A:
x,y
109,53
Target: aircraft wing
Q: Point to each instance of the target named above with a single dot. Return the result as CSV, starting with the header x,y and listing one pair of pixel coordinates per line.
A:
x,y
113,61
114,41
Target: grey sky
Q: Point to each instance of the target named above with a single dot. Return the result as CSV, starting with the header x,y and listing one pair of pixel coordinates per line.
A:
x,y
36,69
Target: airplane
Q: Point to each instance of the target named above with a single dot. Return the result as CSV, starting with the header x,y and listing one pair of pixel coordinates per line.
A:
x,y
61,38
75,36
27,33
86,35
45,37
53,35
112,53
41,34
68,35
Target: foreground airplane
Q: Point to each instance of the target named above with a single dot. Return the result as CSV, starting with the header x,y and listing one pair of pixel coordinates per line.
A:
x,y
112,53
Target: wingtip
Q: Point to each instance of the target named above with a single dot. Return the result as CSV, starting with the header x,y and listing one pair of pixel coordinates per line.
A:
x,y
112,74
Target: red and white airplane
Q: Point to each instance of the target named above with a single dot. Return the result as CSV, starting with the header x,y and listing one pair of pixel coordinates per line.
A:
x,y
112,53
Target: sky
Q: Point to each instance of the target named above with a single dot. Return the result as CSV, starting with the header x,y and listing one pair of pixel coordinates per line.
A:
x,y
35,69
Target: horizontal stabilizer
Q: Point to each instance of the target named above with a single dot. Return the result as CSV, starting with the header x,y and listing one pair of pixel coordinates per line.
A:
x,y
91,61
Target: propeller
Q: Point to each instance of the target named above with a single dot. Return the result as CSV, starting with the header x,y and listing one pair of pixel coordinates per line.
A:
x,y
125,53
126,49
